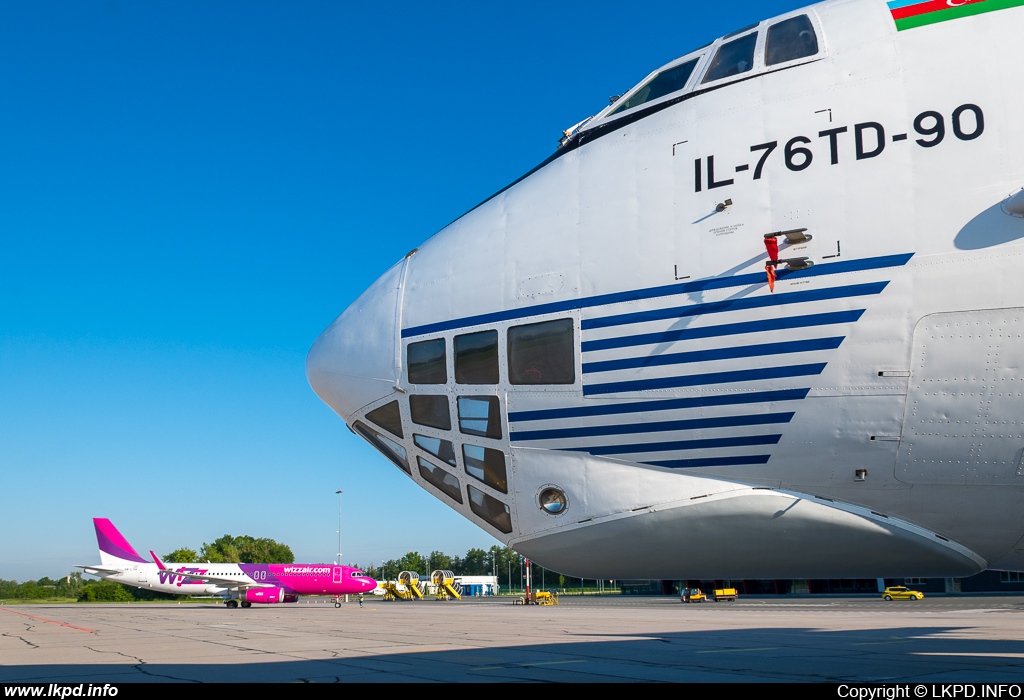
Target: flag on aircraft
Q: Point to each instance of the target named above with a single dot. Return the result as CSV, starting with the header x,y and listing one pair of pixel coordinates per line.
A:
x,y
772,246
914,13
770,269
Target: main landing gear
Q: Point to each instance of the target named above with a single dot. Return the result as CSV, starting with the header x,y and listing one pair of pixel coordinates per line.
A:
x,y
231,604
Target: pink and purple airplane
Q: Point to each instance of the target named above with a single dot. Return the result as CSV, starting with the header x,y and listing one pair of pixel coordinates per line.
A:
x,y
235,583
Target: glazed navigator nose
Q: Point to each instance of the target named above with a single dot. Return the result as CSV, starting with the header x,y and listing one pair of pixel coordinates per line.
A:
x,y
355,361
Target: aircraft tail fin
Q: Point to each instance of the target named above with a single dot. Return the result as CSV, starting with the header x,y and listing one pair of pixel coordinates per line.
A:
x,y
114,548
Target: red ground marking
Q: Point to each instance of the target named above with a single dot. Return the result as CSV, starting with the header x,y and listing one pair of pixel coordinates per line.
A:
x,y
52,622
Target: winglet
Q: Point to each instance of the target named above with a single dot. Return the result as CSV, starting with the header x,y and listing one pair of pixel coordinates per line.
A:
x,y
156,560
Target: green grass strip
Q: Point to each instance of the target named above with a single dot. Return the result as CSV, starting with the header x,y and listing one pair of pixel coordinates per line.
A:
x,y
976,8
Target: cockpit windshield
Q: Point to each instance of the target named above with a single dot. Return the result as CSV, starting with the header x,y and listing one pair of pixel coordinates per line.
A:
x,y
664,83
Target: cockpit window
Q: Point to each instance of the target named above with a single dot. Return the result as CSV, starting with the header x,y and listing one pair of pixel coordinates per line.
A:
x,y
476,358
664,83
733,58
426,361
789,40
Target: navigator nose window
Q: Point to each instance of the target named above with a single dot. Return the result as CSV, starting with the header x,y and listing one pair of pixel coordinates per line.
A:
x,y
388,417
444,482
542,353
486,465
476,358
431,411
427,363
480,415
490,509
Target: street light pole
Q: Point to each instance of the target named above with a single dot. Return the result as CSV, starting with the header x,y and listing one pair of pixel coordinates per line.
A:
x,y
339,492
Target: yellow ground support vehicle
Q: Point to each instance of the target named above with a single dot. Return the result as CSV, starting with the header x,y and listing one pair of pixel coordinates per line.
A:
x,y
546,598
724,594
693,595
901,593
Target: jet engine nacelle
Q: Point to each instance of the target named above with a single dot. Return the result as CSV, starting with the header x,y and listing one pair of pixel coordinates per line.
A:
x,y
266,596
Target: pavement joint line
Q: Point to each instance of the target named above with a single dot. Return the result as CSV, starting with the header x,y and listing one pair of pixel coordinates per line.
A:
x,y
730,651
537,663
52,622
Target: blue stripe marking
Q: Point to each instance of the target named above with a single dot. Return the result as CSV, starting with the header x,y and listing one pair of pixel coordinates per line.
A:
x,y
682,358
702,444
775,324
663,426
756,278
717,307
713,462
897,4
743,375
613,409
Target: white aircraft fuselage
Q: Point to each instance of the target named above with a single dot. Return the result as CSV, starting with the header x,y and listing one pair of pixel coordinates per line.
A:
x,y
592,366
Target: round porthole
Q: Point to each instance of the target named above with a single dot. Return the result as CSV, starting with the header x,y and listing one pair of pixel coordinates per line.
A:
x,y
553,500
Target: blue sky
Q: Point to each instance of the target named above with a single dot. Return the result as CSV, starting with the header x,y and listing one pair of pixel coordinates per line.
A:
x,y
191,191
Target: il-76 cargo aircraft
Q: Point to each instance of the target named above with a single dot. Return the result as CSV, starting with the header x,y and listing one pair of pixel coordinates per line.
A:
x,y
235,583
762,316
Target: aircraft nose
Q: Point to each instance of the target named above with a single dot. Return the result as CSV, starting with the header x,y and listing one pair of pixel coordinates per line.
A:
x,y
355,361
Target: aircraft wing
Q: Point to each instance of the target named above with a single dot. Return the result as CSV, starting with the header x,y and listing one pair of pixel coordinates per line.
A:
x,y
89,568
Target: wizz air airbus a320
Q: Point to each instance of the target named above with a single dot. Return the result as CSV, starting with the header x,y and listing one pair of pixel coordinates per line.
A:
x,y
760,317
235,583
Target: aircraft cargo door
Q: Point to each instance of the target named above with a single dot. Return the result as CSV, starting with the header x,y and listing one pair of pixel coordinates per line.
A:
x,y
964,417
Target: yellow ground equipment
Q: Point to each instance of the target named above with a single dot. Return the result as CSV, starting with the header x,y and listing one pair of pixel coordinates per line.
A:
x,y
539,598
395,591
411,580
444,581
725,594
693,595
546,598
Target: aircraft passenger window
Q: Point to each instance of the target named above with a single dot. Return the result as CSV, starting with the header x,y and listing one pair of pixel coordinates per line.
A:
x,y
789,40
480,415
443,449
664,83
388,417
427,362
431,411
490,509
542,353
446,483
386,446
733,58
476,358
486,465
